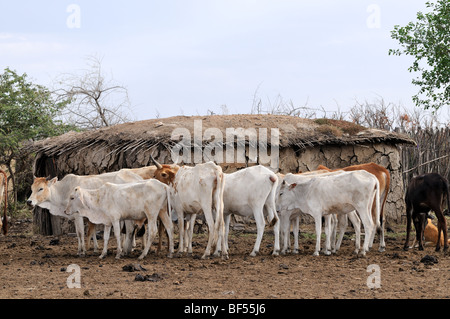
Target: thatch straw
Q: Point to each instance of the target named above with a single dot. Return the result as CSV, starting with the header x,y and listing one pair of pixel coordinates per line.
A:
x,y
151,133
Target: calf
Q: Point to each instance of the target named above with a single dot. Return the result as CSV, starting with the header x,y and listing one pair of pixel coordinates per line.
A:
x,y
426,192
334,193
111,203
53,194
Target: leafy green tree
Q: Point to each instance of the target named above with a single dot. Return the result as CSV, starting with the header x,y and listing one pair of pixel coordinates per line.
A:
x,y
28,112
428,41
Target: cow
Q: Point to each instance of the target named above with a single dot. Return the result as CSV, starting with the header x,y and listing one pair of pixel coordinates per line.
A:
x,y
251,192
53,194
146,172
111,203
424,193
194,190
430,235
294,217
383,176
4,197
331,193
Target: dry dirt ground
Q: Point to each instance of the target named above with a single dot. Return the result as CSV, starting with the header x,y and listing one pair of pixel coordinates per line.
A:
x,y
34,266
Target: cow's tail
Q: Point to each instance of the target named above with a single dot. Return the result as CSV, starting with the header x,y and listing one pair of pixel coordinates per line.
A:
x,y
272,213
377,205
169,204
218,200
5,217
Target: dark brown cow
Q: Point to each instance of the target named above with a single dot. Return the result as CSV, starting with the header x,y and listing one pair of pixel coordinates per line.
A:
x,y
426,192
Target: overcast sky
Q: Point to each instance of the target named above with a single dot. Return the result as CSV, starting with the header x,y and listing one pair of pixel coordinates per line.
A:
x,y
189,56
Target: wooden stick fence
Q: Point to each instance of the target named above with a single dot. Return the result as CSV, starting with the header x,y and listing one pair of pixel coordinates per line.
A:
x,y
431,155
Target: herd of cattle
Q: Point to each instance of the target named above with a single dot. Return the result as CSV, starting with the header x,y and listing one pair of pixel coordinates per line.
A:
x,y
165,193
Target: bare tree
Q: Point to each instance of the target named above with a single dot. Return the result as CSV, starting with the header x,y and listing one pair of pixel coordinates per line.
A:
x,y
96,99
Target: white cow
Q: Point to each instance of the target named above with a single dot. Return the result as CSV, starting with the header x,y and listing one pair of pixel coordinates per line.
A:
x,y
111,203
53,194
335,220
200,189
333,193
251,192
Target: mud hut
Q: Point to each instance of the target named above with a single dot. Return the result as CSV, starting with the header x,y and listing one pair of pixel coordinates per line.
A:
x,y
284,143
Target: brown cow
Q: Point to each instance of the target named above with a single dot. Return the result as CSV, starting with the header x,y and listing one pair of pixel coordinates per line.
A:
x,y
431,235
382,174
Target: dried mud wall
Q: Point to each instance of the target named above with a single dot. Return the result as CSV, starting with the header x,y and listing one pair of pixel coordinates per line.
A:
x,y
341,156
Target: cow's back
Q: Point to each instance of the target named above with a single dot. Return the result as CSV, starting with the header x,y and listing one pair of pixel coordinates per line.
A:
x,y
248,186
422,187
196,185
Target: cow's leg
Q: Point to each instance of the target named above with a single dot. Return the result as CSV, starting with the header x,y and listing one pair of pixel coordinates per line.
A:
x,y
189,233
382,242
282,231
330,240
318,224
260,223
106,234
79,229
356,222
270,208
295,230
226,219
130,231
91,233
343,223
152,228
369,227
418,225
442,227
211,229
181,231
328,234
285,225
168,225
117,228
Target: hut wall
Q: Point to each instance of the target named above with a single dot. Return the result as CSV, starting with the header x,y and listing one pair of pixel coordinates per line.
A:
x,y
345,155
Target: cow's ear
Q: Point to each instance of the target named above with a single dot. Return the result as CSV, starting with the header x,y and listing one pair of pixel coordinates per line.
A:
x,y
52,181
79,195
292,186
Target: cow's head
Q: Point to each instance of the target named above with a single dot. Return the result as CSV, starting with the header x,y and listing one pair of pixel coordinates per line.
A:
x,y
75,203
286,196
165,173
40,190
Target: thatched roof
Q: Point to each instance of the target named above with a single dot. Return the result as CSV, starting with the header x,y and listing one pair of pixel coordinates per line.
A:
x,y
148,133
132,144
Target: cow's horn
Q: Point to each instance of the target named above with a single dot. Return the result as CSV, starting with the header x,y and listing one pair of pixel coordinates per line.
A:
x,y
159,166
